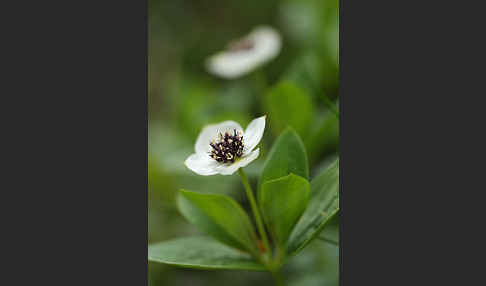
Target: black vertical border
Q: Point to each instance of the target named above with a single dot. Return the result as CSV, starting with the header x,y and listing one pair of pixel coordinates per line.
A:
x,y
78,76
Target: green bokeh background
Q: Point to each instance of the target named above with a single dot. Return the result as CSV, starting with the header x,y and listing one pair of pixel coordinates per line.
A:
x,y
183,97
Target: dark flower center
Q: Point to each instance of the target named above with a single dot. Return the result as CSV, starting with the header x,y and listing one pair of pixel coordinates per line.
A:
x,y
227,148
241,45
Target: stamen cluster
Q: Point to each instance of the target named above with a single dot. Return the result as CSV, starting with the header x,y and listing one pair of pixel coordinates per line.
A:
x,y
241,45
227,148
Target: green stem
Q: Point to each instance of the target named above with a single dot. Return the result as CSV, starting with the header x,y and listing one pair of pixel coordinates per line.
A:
x,y
254,208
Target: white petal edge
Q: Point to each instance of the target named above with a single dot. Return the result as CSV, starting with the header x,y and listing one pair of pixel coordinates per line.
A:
x,y
243,162
268,42
233,64
254,133
202,164
211,131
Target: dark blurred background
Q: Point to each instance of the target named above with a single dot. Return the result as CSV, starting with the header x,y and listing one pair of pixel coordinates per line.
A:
x,y
183,97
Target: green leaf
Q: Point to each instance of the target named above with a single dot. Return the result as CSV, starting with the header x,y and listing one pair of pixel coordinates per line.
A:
x,y
325,138
201,252
219,216
330,233
324,204
289,105
287,156
282,203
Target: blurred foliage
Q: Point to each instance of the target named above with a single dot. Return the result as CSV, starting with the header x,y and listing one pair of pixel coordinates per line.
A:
x,y
183,97
286,105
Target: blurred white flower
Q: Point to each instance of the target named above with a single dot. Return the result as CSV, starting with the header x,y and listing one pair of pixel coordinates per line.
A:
x,y
244,55
223,148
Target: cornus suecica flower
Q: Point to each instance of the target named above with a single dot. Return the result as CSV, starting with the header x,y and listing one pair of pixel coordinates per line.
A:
x,y
223,148
246,54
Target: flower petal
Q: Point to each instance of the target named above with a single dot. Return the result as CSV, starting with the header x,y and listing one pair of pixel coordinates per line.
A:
x,y
232,64
254,133
211,132
229,169
268,42
202,164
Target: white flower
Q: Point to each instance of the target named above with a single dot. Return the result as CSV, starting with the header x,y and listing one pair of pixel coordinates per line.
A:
x,y
244,55
223,148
